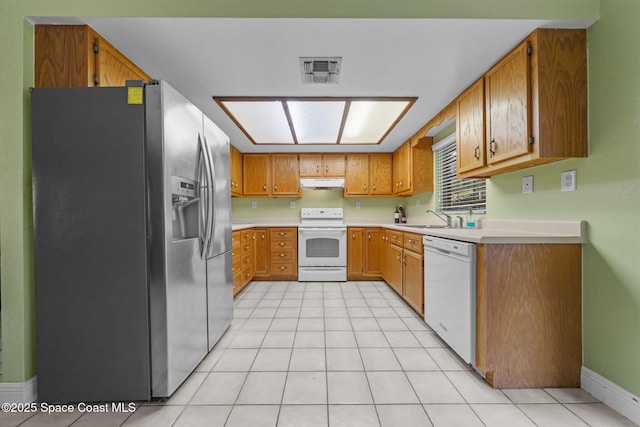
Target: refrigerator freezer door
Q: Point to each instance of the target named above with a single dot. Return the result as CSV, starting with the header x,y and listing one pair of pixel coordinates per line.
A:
x,y
178,309
92,320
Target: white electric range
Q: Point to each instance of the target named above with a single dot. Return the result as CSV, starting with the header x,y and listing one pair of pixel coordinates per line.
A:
x,y
322,245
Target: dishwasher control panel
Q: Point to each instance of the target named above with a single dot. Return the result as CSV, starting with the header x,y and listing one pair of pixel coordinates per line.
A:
x,y
448,245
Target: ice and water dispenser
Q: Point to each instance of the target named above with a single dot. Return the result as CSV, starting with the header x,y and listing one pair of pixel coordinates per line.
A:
x,y
184,200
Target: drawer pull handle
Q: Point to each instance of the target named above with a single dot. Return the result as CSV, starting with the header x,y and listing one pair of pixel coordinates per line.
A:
x,y
282,244
282,255
283,268
282,233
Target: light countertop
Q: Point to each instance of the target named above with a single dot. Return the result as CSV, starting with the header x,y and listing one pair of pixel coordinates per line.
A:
x,y
492,231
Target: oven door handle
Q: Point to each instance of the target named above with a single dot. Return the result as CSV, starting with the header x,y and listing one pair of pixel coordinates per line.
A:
x,y
344,230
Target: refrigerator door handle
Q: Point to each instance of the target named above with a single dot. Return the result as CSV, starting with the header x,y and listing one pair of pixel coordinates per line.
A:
x,y
203,176
210,197
211,201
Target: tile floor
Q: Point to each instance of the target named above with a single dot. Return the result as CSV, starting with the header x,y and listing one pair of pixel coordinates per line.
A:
x,y
338,354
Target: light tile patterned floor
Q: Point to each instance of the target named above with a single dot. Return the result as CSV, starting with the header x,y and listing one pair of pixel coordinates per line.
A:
x,y
339,354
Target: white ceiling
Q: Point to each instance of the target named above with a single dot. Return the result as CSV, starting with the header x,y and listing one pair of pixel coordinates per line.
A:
x,y
433,59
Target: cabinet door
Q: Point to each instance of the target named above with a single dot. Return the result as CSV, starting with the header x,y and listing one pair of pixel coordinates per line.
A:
x,y
357,175
64,56
402,168
373,251
385,255
113,68
470,132
508,106
236,171
286,175
256,175
333,165
355,251
395,268
311,165
413,287
262,252
380,167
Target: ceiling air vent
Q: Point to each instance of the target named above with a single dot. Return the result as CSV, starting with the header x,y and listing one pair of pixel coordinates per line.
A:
x,y
320,70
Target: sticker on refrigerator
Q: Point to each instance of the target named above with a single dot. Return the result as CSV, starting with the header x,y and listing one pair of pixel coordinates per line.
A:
x,y
134,95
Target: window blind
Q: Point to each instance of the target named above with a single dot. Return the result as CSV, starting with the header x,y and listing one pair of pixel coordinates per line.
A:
x,y
455,195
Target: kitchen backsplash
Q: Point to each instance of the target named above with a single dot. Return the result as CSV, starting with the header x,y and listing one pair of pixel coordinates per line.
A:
x,y
370,207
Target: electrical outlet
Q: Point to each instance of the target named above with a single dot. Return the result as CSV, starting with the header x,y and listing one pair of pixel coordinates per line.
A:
x,y
568,181
357,205
417,202
527,184
254,205
293,205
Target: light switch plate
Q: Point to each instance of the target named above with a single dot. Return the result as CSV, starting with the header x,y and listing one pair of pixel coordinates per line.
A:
x,y
357,205
527,184
254,205
417,202
292,205
568,181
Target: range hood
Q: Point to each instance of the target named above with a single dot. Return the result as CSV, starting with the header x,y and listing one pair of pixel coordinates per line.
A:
x,y
322,183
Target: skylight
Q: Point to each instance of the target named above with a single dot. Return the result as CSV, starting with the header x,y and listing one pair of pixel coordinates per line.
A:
x,y
313,120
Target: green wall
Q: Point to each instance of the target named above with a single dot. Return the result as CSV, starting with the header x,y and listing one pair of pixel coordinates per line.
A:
x,y
608,181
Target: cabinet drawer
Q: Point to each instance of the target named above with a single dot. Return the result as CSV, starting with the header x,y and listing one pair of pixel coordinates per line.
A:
x,y
284,233
235,238
283,268
246,236
413,242
283,244
284,255
236,265
396,238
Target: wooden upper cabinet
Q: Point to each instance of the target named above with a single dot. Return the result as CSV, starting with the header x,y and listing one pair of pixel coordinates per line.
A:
x,y
311,165
333,165
285,175
508,106
535,108
470,129
380,172
322,165
112,67
413,167
236,171
77,56
368,175
256,175
357,175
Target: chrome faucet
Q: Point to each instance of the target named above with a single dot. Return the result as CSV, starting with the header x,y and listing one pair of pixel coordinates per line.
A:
x,y
443,216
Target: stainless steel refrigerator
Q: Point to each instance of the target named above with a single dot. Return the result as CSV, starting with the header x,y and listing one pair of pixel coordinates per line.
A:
x,y
132,229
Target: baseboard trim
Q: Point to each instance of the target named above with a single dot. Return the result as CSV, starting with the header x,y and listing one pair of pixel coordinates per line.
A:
x,y
611,394
24,392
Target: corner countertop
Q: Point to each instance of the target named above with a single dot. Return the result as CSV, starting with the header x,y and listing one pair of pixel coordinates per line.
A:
x,y
492,231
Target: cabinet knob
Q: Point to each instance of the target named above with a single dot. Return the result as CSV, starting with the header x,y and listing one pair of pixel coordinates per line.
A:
x,y
283,267
275,187
374,187
353,236
264,187
364,187
282,255
369,236
282,244
282,233
262,236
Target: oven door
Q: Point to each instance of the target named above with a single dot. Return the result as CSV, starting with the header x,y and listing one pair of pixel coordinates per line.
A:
x,y
322,246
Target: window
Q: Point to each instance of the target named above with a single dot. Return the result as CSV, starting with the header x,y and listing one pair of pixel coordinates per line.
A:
x,y
455,195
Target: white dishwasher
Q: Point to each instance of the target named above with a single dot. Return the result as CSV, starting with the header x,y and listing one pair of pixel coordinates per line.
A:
x,y
450,293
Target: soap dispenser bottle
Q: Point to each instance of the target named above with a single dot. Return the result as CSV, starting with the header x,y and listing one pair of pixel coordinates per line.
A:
x,y
471,221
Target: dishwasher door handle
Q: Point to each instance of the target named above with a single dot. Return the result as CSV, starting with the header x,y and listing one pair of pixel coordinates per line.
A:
x,y
447,254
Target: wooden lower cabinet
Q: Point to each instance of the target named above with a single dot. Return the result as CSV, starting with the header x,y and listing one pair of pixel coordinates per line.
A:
x,y
413,280
364,253
395,268
236,259
247,249
283,259
528,316
261,253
